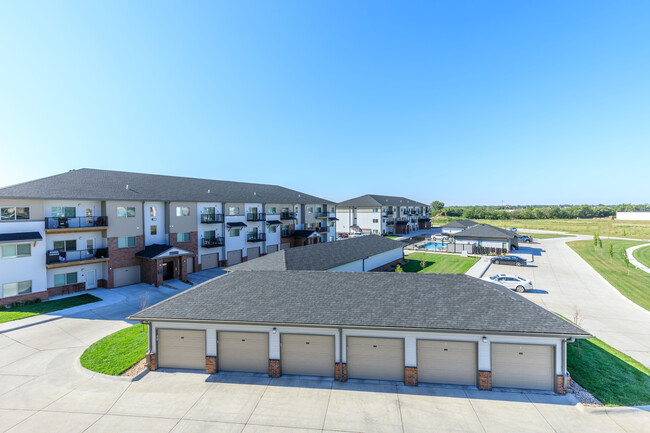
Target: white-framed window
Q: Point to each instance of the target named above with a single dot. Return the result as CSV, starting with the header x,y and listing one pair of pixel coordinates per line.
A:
x,y
63,279
374,209
68,245
273,229
126,212
233,210
331,209
153,230
90,246
64,211
271,211
126,242
13,251
319,210
310,210
209,235
152,211
310,226
233,232
209,211
15,289
183,237
375,231
13,213
375,220
182,211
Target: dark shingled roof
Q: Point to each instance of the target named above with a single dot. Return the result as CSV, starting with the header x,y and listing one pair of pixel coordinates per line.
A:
x,y
21,236
460,224
303,233
451,302
321,256
91,184
374,200
153,250
485,231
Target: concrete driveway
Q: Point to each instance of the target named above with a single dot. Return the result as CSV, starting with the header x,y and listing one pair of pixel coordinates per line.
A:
x,y
564,282
42,388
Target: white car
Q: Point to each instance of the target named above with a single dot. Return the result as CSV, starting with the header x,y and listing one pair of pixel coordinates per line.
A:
x,y
513,282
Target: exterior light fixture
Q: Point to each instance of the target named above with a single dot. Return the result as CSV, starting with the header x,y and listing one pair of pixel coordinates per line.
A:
x,y
484,339
275,331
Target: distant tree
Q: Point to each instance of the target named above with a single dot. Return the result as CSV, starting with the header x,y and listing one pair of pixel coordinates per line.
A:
x,y
398,268
624,232
600,244
626,259
437,206
595,240
611,253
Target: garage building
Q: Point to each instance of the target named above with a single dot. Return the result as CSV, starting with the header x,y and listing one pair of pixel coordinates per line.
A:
x,y
434,328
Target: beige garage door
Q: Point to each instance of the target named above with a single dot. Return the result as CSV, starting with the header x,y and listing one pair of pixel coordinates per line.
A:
x,y
126,276
307,355
525,366
253,253
447,362
181,348
285,246
209,261
243,351
234,257
190,265
375,358
271,249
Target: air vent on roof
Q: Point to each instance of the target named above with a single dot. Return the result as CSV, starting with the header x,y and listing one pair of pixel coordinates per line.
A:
x,y
127,186
208,191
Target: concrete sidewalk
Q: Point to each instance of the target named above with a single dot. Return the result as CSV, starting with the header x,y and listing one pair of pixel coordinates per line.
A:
x,y
637,264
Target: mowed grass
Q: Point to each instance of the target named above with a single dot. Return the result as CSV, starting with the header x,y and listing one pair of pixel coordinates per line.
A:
x,y
606,227
635,286
393,237
45,307
611,376
643,255
545,235
117,352
438,263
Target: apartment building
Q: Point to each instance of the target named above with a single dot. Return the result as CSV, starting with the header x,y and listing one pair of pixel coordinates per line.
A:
x,y
382,215
95,228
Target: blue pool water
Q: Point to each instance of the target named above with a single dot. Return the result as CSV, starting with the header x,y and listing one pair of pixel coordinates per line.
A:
x,y
434,245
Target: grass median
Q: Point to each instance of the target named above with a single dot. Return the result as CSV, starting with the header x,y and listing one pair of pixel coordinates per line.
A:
x,y
643,255
45,307
438,263
117,352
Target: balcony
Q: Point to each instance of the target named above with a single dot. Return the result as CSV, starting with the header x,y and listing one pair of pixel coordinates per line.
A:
x,y
60,258
324,214
320,229
287,215
256,237
287,233
212,242
255,216
75,224
215,218
390,222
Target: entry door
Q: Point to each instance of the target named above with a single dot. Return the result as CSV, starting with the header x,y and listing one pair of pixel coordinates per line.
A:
x,y
91,279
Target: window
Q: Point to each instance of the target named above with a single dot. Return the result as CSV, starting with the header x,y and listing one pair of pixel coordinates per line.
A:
x,y
64,212
310,210
272,229
375,231
252,231
152,211
183,237
234,233
16,250
69,245
331,223
318,210
208,211
125,212
374,209
15,289
210,235
310,226
90,246
233,210
126,242
182,211
63,279
154,230
271,211
332,210
14,213
375,220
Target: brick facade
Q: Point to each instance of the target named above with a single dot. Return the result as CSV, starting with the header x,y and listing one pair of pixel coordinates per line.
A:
x,y
193,247
43,296
485,380
66,289
152,361
210,364
337,371
274,368
122,257
424,225
411,376
344,372
559,384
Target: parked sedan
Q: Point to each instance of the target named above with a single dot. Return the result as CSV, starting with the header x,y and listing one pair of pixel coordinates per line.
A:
x,y
525,238
513,282
508,260
513,229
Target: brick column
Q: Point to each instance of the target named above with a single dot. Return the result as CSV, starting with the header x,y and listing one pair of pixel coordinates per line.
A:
x,y
274,368
158,273
559,384
152,361
411,376
344,372
210,364
337,371
485,380
183,268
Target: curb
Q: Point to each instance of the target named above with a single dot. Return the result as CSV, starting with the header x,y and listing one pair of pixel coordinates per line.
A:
x,y
83,370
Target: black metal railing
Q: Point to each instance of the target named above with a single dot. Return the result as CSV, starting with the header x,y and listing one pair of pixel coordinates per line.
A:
x,y
211,218
323,214
75,222
390,222
287,215
256,237
389,212
255,216
61,256
287,233
212,242
320,229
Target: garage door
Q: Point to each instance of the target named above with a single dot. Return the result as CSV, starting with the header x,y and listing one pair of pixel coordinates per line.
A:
x,y
307,355
285,246
234,257
375,358
209,261
126,276
447,362
525,366
253,253
181,348
243,351
190,265
271,249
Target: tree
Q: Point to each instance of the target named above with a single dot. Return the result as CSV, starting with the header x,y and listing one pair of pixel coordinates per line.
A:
x,y
600,244
595,240
437,206
423,262
626,259
611,253
399,268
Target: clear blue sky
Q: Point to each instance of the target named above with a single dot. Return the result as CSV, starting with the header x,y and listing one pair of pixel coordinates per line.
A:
x,y
468,102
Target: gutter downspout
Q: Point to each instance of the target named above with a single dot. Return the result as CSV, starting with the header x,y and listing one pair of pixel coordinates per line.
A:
x,y
564,357
144,322
341,354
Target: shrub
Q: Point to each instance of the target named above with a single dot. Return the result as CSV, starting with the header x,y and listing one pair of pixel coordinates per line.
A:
x,y
28,302
37,300
16,304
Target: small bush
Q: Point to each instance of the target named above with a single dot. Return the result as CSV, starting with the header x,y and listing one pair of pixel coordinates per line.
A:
x,y
37,300
16,304
28,302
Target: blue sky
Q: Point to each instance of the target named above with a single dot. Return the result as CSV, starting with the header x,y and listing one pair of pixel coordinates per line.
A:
x,y
468,102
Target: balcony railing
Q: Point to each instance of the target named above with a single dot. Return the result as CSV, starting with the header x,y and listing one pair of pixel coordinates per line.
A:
x,y
60,256
211,218
324,214
255,216
287,233
75,222
256,237
287,215
389,212
390,222
320,229
212,242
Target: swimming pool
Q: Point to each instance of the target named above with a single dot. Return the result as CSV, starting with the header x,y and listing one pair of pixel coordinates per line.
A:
x,y
434,246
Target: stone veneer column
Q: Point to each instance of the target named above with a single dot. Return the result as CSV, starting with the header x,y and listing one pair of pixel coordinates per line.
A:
x,y
210,364
485,380
152,361
274,368
411,376
344,372
559,384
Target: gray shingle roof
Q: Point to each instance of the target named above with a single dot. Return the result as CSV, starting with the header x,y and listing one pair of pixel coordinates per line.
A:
x,y
375,200
151,251
460,224
485,231
369,299
21,236
91,184
321,256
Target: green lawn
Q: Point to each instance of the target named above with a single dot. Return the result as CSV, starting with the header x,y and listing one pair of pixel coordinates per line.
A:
x,y
635,286
45,307
117,352
643,255
611,376
393,237
439,263
545,235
